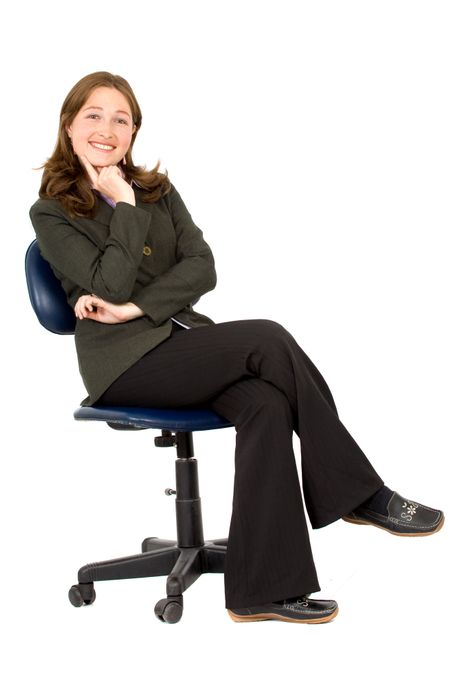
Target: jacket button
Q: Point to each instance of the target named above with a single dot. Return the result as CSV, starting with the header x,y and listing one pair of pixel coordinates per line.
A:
x,y
147,250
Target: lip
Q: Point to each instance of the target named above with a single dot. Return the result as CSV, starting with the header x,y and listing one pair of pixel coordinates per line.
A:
x,y
101,149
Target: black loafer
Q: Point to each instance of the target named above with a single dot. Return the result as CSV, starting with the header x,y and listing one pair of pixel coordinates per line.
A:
x,y
404,517
303,610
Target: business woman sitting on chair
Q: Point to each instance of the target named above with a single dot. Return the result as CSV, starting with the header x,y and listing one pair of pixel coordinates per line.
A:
x,y
132,263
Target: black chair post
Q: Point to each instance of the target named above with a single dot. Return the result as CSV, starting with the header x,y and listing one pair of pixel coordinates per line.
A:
x,y
188,504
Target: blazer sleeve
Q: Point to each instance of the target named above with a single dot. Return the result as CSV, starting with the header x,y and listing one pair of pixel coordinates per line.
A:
x,y
186,281
109,273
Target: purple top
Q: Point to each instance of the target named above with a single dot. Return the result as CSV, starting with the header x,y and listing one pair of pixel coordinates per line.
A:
x,y
108,200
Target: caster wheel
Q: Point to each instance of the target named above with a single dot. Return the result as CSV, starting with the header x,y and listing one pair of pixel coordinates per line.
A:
x,y
169,610
82,594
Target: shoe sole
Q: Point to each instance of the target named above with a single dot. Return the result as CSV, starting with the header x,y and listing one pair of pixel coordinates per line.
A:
x,y
264,616
361,522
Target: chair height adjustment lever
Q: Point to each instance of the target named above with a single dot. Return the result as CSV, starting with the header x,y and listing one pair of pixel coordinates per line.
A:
x,y
166,438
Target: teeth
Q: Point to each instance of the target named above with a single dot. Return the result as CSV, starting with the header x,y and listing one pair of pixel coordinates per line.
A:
x,y
103,147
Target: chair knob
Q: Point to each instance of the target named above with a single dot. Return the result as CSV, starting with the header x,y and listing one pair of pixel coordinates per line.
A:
x,y
170,491
166,439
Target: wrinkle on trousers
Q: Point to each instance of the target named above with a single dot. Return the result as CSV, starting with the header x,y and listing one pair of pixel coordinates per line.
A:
x,y
255,374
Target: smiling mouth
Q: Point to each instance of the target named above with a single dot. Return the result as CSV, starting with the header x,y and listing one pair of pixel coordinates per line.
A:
x,y
102,147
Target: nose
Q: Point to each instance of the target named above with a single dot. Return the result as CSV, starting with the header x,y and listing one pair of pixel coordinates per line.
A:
x,y
105,129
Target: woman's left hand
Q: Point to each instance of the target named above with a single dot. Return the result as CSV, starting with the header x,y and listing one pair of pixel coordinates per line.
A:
x,y
94,308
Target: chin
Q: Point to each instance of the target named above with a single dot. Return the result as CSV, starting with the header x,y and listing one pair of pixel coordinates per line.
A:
x,y
101,161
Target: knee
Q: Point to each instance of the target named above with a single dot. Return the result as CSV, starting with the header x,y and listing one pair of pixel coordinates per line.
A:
x,y
271,330
267,403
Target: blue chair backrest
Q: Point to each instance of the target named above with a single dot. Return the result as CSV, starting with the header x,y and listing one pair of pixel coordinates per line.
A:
x,y
47,296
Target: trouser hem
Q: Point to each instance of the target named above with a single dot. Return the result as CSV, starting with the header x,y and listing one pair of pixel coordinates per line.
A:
x,y
279,594
347,506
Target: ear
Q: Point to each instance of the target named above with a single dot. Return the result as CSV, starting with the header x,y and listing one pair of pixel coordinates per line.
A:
x,y
68,131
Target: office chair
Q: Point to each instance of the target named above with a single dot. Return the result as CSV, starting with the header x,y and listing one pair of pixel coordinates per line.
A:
x,y
185,559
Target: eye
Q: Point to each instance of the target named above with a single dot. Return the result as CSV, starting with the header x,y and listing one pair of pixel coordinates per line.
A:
x,y
122,121
93,115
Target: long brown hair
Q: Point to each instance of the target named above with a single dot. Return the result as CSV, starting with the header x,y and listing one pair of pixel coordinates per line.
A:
x,y
64,177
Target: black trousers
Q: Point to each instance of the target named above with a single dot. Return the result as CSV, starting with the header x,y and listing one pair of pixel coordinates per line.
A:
x,y
255,374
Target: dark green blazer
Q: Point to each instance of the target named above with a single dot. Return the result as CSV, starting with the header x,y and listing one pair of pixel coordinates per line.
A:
x,y
105,256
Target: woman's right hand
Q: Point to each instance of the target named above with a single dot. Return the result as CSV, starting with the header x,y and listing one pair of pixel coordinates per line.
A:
x,y
109,181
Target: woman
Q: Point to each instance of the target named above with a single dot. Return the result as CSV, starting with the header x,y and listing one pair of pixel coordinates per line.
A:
x,y
132,263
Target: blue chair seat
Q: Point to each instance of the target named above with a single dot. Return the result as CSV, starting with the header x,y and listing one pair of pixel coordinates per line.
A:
x,y
176,420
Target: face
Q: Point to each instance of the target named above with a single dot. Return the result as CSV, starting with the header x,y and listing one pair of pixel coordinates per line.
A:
x,y
103,128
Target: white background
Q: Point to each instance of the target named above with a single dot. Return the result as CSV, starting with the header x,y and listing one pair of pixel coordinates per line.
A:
x,y
310,142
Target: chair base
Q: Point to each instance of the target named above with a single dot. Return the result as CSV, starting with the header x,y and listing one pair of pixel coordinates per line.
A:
x,y
182,565
161,557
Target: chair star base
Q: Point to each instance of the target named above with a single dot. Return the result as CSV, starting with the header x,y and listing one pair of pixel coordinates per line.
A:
x,y
182,565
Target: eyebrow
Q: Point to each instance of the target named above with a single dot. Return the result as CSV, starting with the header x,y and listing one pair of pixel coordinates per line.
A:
x,y
96,107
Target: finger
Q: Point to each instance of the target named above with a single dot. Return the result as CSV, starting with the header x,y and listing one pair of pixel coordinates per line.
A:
x,y
81,310
94,300
104,175
108,172
95,303
102,178
85,307
90,170
91,304
86,163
